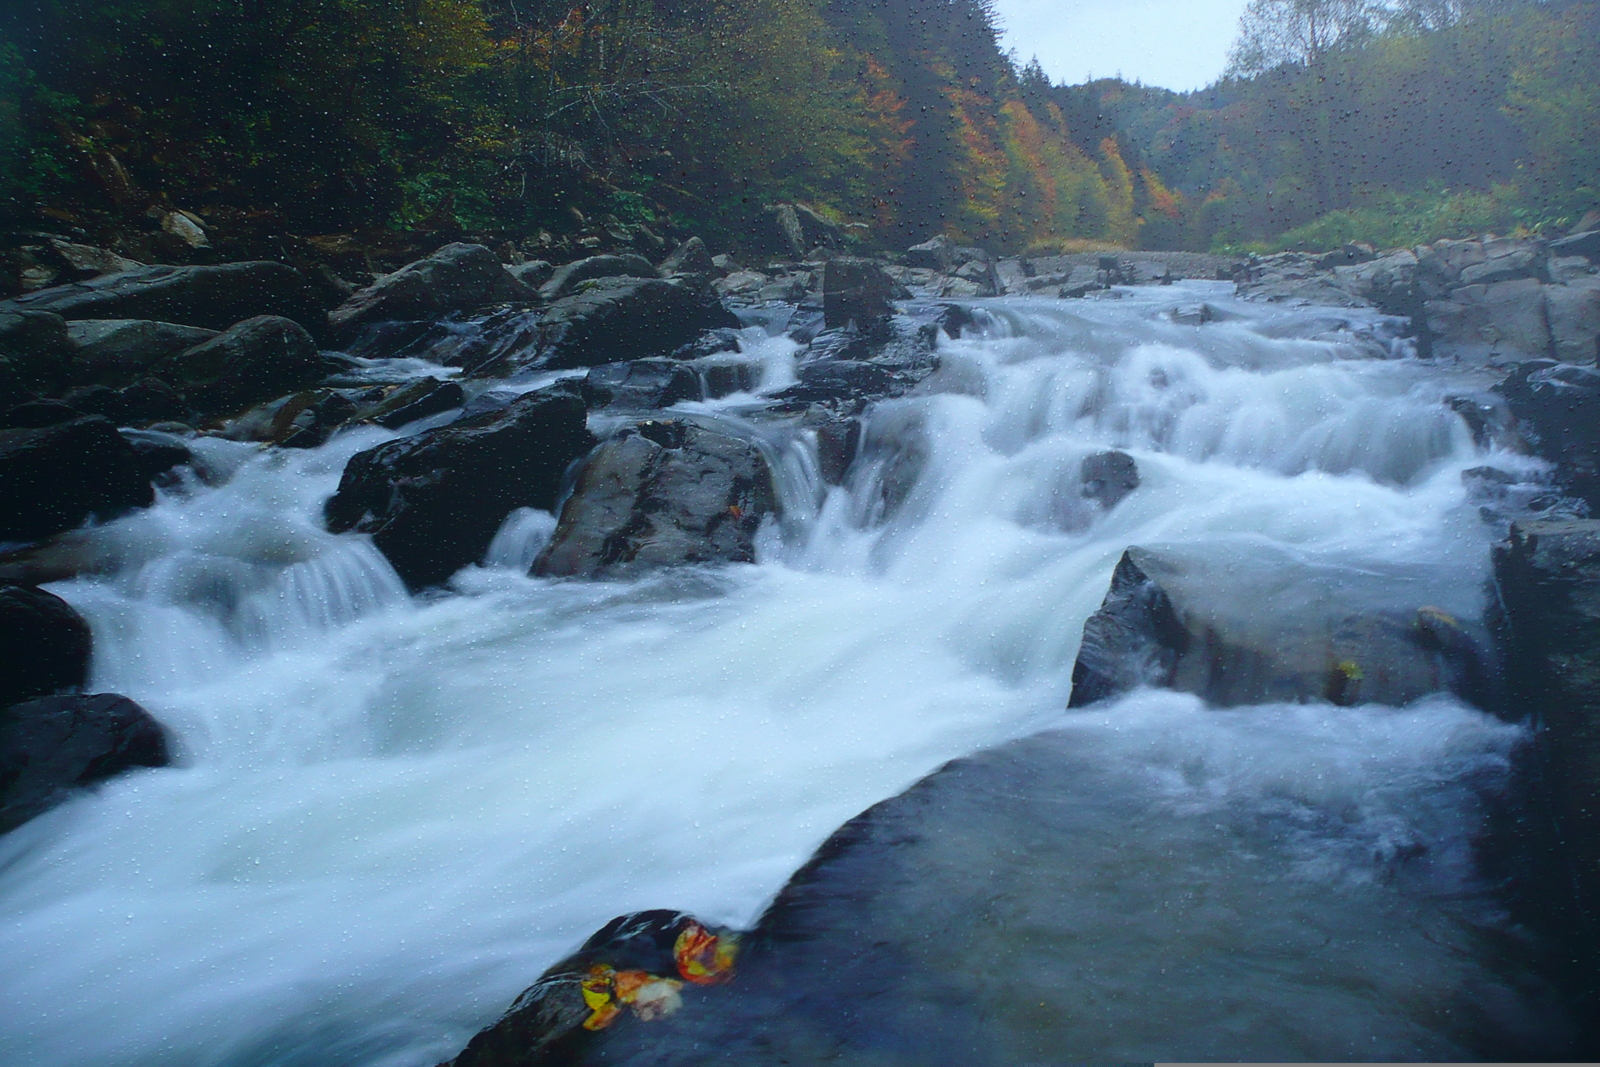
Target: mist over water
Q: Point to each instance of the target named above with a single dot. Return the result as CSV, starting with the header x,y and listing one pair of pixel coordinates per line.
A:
x,y
389,813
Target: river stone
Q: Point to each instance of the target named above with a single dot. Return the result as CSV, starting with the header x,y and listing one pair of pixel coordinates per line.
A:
x,y
52,745
1547,577
641,384
661,494
432,502
533,273
565,280
544,1027
54,478
252,361
1557,408
1250,625
1108,477
856,290
1505,319
36,351
616,319
937,254
212,297
690,257
1573,312
119,351
44,644
415,400
458,277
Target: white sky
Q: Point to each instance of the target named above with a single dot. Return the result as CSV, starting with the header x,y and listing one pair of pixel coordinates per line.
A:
x,y
1178,44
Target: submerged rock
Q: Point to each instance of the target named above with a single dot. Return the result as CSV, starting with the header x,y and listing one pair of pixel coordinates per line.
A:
x,y
432,502
637,969
661,494
210,297
1248,625
44,644
52,745
54,478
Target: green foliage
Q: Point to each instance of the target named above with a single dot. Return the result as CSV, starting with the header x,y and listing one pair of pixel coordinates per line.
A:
x,y
1398,220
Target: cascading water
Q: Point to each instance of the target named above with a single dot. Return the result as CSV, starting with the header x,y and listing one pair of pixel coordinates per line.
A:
x,y
390,813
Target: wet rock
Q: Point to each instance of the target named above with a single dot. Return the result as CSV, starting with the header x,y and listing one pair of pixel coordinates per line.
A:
x,y
637,969
44,644
1573,312
565,280
794,230
1388,282
856,290
53,745
79,262
722,377
617,319
641,384
740,283
116,352
981,274
1441,264
838,379
1249,625
36,350
1547,575
1350,254
709,343
661,494
151,400
56,477
258,358
533,273
690,257
412,401
1585,244
1557,407
432,502
1506,259
938,254
96,400
211,297
1108,477
157,452
310,419
724,265
37,414
1479,321
838,443
458,277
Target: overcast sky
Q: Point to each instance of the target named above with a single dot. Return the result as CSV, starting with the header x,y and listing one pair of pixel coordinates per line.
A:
x,y
1179,44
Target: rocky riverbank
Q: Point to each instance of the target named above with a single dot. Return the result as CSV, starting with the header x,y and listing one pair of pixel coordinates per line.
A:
x,y
563,400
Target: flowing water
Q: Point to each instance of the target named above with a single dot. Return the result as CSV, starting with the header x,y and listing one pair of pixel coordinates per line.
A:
x,y
389,813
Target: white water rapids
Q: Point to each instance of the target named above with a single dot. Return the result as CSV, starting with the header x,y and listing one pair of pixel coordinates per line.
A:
x,y
388,814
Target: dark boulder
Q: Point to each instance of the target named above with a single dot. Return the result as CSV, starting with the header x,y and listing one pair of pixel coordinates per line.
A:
x,y
1573,312
1504,318
56,477
690,257
661,494
641,384
1547,577
616,319
637,969
151,400
36,414
116,352
458,277
1557,408
52,745
157,452
838,379
44,644
210,297
937,254
432,502
856,290
1249,625
565,280
1108,477
838,443
794,230
252,361
1585,244
533,273
412,401
35,352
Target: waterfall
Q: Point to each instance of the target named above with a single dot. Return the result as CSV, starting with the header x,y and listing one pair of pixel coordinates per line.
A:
x,y
389,813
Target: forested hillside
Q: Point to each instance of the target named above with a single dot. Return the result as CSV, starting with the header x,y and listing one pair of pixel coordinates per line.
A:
x,y
1403,122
